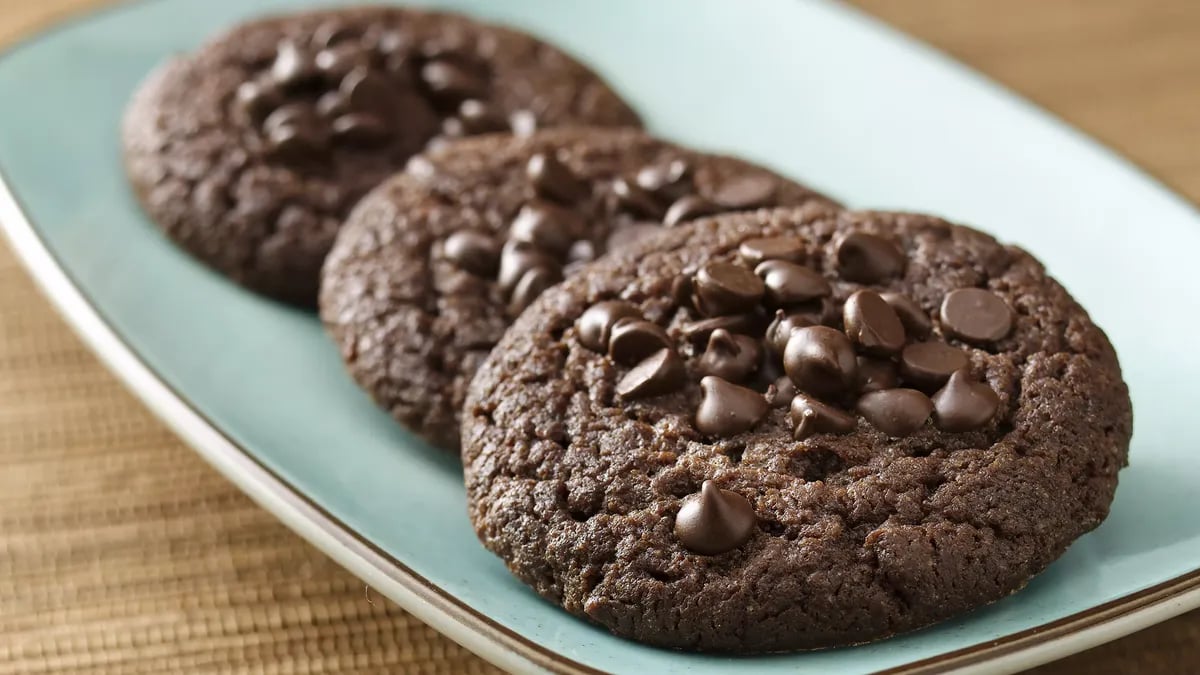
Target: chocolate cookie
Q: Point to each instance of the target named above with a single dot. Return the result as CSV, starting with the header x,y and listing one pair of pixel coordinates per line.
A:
x,y
794,429
250,151
433,266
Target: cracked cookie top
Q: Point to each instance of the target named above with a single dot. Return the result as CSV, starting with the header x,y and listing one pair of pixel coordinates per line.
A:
x,y
794,429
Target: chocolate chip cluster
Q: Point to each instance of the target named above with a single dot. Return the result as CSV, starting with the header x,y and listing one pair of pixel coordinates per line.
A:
x,y
362,88
879,362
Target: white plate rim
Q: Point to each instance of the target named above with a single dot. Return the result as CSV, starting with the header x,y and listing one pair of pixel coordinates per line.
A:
x,y
428,602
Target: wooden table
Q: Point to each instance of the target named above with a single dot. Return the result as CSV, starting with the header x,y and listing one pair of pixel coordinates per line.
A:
x,y
121,551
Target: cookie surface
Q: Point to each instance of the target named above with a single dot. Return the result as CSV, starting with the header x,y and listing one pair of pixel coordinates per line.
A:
x,y
858,426
434,265
250,151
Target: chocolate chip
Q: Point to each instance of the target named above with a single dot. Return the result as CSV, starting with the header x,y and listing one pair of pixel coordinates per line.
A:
x,y
730,356
895,412
781,329
595,324
788,283
916,322
667,181
624,235
360,129
474,252
811,416
976,315
875,374
631,340
635,200
290,115
756,251
927,365
257,99
553,180
450,83
478,117
331,32
746,191
295,142
820,360
726,288
781,392
963,404
293,67
700,330
337,62
366,91
868,259
517,258
727,409
872,324
532,284
714,521
688,207
660,373
547,226
332,104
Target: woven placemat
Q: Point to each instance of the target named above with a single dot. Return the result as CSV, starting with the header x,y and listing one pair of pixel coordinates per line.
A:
x,y
122,552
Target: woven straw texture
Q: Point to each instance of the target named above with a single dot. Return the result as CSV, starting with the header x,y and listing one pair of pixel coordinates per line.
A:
x,y
122,552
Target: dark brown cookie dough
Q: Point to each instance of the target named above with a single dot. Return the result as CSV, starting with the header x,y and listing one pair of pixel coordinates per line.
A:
x,y
433,266
250,151
842,488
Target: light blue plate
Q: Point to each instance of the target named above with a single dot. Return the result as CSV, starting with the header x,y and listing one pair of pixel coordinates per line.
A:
x,y
811,88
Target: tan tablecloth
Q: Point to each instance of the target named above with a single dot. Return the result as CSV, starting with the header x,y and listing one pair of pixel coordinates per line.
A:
x,y
121,551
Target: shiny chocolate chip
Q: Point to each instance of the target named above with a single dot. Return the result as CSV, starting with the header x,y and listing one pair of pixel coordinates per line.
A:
x,y
547,226
625,235
875,374
257,99
631,340
361,129
756,251
727,409
450,83
517,258
746,191
532,284
581,251
660,373
688,207
964,404
332,104
289,115
477,117
820,360
553,180
788,283
473,252
333,32
917,323
927,365
366,91
296,142
810,416
868,258
667,181
726,288
714,521
730,356
976,315
701,329
595,324
338,61
872,324
293,67
633,199
895,412
780,330
781,392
